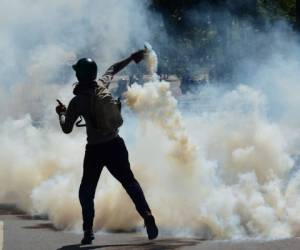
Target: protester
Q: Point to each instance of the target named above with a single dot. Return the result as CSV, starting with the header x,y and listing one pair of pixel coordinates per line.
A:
x,y
104,145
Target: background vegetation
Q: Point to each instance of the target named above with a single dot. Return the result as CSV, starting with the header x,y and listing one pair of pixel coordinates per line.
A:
x,y
215,34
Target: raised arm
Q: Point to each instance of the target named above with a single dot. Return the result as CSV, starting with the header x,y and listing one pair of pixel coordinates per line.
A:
x,y
117,67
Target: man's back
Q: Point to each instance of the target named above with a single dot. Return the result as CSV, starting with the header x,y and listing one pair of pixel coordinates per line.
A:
x,y
80,105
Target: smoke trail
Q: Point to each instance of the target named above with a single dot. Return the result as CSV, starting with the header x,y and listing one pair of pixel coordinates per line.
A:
x,y
154,101
150,59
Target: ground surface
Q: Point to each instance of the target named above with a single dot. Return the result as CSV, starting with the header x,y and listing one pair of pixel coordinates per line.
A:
x,y
21,232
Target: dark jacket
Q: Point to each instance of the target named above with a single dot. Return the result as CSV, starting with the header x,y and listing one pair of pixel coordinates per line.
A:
x,y
80,106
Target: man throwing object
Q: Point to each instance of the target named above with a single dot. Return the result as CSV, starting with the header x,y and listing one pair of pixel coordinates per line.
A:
x,y
105,147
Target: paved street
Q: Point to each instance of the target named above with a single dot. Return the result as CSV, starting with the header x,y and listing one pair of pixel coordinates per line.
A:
x,y
22,232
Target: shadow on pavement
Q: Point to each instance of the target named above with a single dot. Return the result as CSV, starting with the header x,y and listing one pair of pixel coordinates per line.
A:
x,y
10,209
167,244
48,226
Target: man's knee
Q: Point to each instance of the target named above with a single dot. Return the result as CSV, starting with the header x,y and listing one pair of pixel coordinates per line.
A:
x,y
130,183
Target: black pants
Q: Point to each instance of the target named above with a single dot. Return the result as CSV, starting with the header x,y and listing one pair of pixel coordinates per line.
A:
x,y
114,156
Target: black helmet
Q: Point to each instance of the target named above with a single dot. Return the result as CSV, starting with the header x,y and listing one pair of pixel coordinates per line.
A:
x,y
86,69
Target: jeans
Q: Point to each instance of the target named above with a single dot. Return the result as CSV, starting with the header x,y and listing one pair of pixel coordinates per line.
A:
x,y
114,156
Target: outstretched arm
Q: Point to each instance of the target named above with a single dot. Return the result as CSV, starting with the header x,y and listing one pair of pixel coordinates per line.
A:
x,y
117,67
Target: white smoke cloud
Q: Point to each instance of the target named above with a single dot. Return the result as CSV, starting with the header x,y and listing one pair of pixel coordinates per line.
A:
x,y
223,172
41,40
232,182
235,180
40,166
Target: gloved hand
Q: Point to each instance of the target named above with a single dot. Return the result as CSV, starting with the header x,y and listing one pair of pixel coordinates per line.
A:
x,y
138,56
60,108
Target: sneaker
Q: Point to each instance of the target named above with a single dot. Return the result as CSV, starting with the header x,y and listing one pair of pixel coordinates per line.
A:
x,y
88,237
151,227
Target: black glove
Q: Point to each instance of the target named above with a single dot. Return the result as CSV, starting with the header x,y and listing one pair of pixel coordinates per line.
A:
x,y
138,56
60,108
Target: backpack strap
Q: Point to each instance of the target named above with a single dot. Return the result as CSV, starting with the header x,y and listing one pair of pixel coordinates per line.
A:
x,y
79,124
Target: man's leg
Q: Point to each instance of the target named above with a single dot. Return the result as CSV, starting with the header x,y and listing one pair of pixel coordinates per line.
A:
x,y
92,168
119,166
133,188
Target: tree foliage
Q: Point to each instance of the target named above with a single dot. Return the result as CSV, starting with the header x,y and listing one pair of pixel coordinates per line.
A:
x,y
202,30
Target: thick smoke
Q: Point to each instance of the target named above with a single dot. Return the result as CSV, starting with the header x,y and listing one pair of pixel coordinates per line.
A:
x,y
40,166
228,170
235,180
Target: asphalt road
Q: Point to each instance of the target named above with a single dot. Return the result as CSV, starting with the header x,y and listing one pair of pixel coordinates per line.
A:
x,y
22,232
